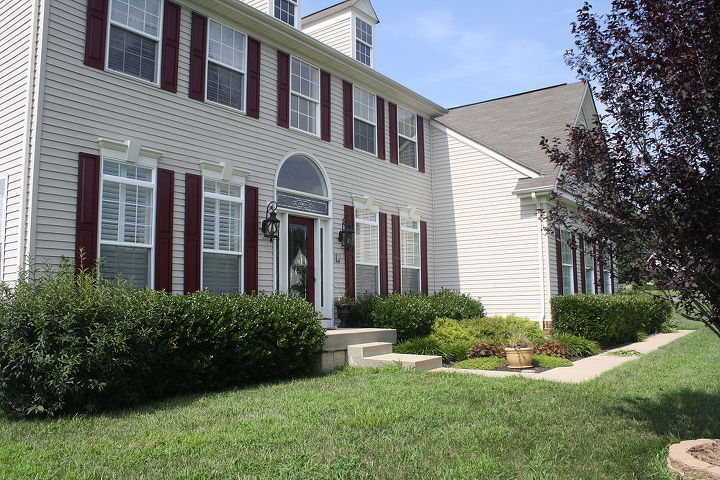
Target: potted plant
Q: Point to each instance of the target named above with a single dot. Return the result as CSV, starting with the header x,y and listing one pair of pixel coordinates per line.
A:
x,y
519,353
343,305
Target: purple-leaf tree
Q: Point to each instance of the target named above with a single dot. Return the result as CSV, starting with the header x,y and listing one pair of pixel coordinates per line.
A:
x,y
648,173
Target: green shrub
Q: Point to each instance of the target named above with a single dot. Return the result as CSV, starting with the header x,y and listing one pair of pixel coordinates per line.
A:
x,y
451,330
433,345
576,346
483,363
502,330
78,343
546,361
610,319
412,315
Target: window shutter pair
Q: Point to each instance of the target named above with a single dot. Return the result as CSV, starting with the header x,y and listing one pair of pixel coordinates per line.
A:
x,y
283,96
396,252
198,65
193,235
394,147
96,38
87,219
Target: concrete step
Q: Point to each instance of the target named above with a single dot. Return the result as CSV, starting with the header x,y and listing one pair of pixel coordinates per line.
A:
x,y
357,352
342,337
412,362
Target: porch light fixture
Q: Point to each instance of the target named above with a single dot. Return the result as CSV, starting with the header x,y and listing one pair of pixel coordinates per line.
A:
x,y
271,224
347,234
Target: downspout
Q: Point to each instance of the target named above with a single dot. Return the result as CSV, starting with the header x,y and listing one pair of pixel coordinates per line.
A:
x,y
24,178
541,256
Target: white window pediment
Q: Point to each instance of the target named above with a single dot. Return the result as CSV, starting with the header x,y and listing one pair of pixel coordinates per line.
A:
x,y
129,151
362,202
223,172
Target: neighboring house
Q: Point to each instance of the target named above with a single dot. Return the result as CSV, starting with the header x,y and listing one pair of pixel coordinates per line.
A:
x,y
154,135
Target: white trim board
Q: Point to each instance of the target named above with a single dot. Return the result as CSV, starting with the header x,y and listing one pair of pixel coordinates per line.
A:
x,y
487,151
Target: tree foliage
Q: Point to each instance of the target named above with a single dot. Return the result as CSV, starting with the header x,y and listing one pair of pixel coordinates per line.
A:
x,y
649,175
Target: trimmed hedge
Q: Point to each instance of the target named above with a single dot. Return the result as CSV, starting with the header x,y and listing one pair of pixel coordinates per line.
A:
x,y
76,343
412,315
610,319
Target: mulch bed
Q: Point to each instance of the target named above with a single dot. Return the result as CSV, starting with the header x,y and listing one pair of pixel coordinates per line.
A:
x,y
708,452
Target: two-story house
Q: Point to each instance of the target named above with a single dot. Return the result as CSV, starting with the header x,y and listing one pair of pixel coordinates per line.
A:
x,y
165,138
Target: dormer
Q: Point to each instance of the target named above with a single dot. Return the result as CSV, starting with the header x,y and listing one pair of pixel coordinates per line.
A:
x,y
287,11
348,27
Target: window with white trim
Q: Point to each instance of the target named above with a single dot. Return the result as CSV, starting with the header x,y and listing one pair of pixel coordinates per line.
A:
x,y
589,270
607,274
3,214
365,125
304,96
410,255
367,252
363,41
226,66
407,137
134,38
126,222
222,237
286,10
568,270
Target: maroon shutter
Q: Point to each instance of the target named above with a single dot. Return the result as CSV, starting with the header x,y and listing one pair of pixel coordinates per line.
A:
x,y
383,255
170,47
558,261
574,263
198,59
283,89
612,271
350,255
88,203
583,278
164,229
251,239
397,286
381,128
193,232
253,78
348,118
393,134
325,106
423,258
95,33
421,143
596,262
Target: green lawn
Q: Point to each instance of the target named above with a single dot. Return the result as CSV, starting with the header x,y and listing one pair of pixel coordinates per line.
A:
x,y
395,424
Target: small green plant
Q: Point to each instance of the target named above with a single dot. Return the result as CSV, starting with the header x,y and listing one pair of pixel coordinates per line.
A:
x,y
433,345
576,346
546,361
484,363
345,300
520,342
624,353
502,329
671,326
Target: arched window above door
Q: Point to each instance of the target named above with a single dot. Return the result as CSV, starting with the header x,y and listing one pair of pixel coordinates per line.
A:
x,y
300,174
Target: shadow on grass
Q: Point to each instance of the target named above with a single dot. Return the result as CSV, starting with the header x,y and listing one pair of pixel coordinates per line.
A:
x,y
685,414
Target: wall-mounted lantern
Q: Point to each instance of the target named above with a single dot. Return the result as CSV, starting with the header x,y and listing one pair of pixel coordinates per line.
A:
x,y
347,234
271,224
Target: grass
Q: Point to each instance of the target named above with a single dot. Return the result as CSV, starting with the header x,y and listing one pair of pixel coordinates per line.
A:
x,y
482,363
394,424
623,353
547,361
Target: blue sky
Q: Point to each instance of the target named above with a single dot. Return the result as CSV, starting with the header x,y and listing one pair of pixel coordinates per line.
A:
x,y
457,52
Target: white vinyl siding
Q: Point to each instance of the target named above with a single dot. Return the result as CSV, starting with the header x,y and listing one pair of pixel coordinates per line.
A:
x,y
304,96
407,138
286,11
134,38
3,214
363,42
410,255
227,64
367,252
126,222
365,125
568,270
222,237
337,33
589,270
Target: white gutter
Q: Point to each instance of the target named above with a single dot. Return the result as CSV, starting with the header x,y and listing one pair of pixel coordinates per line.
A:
x,y
541,258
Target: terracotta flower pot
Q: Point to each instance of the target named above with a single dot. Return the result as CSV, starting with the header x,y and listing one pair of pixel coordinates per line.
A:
x,y
519,357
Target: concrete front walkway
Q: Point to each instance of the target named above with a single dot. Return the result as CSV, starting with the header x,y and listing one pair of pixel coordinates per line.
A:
x,y
586,368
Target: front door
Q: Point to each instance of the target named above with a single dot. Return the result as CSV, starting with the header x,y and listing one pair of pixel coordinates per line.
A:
x,y
301,258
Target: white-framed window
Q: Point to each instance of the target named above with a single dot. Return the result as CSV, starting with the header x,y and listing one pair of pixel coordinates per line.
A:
x,y
365,120
568,270
226,66
589,270
222,260
134,38
286,10
367,252
607,274
304,96
410,255
407,138
127,214
363,41
3,215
